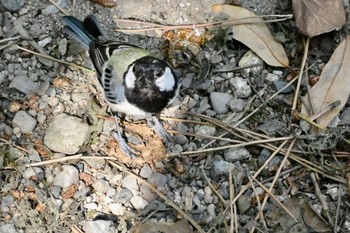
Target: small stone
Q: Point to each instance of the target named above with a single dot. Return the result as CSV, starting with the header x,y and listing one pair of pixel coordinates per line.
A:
x,y
13,5
123,196
146,171
158,179
33,172
100,226
24,85
278,85
8,228
67,177
221,167
100,185
249,59
24,121
130,183
66,134
138,202
236,105
117,209
56,191
272,77
180,139
42,43
241,88
205,130
345,117
219,102
236,154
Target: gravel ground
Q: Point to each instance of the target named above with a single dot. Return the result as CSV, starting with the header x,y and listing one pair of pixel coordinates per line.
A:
x,y
53,112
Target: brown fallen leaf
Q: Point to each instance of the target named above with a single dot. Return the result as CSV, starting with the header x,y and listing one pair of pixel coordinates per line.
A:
x,y
334,85
254,33
314,17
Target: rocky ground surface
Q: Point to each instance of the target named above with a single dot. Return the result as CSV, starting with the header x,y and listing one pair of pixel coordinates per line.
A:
x,y
50,111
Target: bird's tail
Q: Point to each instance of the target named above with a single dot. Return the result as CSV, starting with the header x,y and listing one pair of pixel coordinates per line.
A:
x,y
83,31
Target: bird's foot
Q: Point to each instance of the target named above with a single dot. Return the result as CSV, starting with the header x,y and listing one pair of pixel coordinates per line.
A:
x,y
124,147
155,124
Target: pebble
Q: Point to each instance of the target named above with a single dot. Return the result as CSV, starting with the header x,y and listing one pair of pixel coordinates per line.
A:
x,y
130,183
24,85
236,154
123,196
101,185
12,5
219,102
56,191
221,167
100,226
278,85
181,139
248,59
205,130
271,77
66,134
241,88
62,46
274,127
210,213
42,43
345,116
67,177
236,105
36,172
117,209
158,179
146,171
51,9
8,228
138,202
24,121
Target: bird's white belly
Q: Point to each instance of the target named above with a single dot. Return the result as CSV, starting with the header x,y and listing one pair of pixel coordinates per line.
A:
x,y
129,109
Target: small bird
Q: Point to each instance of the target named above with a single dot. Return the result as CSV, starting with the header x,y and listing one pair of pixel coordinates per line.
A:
x,y
133,80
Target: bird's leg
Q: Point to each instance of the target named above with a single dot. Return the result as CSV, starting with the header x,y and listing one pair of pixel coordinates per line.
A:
x,y
124,147
155,124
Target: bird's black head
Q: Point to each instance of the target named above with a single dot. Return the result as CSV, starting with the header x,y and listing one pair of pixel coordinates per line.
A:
x,y
150,81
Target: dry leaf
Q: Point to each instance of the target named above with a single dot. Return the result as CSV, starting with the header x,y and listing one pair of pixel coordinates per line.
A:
x,y
255,34
334,85
314,17
151,227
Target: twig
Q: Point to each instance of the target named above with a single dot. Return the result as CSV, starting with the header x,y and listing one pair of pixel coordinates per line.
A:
x,y
9,39
67,158
58,7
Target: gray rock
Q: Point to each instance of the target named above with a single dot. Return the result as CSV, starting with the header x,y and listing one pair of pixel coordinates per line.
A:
x,y
67,177
138,202
240,87
243,204
46,62
24,84
210,213
180,139
100,185
123,196
62,46
205,130
117,209
236,154
345,117
82,193
33,172
42,43
272,77
248,59
236,105
56,191
221,167
278,85
13,5
274,127
146,171
100,226
8,228
24,121
130,183
158,179
66,134
219,102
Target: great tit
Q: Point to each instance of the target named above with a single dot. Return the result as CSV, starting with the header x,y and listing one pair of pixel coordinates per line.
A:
x,y
133,80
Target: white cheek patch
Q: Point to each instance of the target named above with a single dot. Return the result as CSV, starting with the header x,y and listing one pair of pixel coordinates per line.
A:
x,y
130,78
167,81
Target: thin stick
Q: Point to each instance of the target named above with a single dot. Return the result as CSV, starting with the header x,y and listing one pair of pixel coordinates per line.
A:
x,y
58,7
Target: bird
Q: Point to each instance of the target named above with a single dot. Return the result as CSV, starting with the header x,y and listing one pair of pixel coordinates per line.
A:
x,y
133,80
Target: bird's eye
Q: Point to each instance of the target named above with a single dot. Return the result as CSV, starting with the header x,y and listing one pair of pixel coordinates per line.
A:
x,y
159,73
